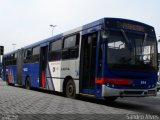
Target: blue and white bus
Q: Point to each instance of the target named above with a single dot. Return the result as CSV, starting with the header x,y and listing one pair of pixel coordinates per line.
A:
x,y
108,58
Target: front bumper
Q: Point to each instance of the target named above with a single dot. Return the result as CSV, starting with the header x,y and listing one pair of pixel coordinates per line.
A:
x,y
108,92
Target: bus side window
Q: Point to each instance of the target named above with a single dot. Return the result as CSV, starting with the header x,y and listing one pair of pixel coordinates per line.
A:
x,y
55,50
27,55
8,60
71,47
13,59
36,52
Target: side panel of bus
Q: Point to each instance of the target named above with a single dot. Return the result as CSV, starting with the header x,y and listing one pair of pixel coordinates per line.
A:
x,y
60,70
10,69
30,69
64,62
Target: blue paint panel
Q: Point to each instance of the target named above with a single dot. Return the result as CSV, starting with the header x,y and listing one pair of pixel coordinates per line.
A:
x,y
149,77
35,75
31,70
89,91
92,30
136,77
25,73
93,24
125,20
98,90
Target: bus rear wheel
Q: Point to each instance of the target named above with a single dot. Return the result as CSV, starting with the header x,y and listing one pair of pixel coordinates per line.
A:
x,y
70,89
27,84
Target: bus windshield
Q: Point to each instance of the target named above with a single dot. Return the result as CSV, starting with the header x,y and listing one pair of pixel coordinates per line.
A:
x,y
131,51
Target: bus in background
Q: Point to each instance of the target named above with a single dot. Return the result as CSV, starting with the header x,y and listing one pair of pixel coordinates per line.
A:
x,y
9,66
108,58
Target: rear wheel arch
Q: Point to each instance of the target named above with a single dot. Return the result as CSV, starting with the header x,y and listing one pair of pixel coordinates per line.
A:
x,y
65,82
69,84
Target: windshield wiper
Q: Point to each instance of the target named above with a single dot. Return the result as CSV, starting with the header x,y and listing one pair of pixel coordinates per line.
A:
x,y
129,44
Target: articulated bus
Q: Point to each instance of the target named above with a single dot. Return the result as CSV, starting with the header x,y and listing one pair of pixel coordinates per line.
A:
x,y
107,58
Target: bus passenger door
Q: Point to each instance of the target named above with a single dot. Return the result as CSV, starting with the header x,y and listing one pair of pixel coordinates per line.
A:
x,y
88,63
43,64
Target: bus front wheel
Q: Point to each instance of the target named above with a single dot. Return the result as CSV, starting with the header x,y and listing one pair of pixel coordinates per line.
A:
x,y
70,89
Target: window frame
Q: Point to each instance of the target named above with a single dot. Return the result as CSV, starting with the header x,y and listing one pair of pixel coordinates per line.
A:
x,y
27,58
60,48
36,51
55,54
67,51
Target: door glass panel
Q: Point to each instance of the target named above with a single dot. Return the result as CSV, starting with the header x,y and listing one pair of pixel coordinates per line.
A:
x,y
89,45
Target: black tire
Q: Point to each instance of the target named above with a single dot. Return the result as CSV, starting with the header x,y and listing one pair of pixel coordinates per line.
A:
x,y
110,99
70,89
27,84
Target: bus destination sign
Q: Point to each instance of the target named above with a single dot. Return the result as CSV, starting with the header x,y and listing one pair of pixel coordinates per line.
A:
x,y
132,27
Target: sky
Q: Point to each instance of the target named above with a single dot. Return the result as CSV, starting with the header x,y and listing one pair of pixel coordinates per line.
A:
x,y
23,22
